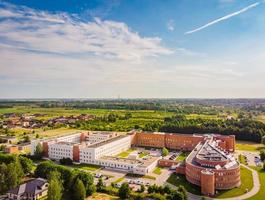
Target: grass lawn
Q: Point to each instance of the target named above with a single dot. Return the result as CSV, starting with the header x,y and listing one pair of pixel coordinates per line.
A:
x,y
261,194
246,183
141,176
157,170
249,146
42,133
143,154
182,156
101,196
242,159
125,154
180,179
119,180
88,167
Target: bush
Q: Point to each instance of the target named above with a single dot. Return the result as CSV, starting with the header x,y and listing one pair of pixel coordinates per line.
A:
x,y
262,155
124,191
66,161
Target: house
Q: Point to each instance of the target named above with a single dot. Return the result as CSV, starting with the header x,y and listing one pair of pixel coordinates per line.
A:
x,y
32,190
11,149
8,139
17,149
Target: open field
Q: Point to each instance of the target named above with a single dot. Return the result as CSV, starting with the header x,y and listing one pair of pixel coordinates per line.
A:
x,y
100,196
19,132
261,118
248,146
261,194
53,112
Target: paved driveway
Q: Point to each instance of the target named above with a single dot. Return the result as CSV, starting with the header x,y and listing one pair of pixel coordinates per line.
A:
x,y
250,156
115,175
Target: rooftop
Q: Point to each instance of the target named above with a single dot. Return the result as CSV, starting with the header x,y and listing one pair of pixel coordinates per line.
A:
x,y
145,162
108,141
32,187
208,150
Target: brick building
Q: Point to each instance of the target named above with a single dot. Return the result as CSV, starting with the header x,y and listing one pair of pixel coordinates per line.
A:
x,y
210,164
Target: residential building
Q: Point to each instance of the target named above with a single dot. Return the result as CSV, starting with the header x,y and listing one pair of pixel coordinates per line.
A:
x,y
32,190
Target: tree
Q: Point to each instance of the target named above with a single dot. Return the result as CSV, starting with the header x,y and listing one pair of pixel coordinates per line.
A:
x,y
26,164
12,179
18,169
3,177
26,138
262,154
55,186
177,195
79,191
167,189
39,151
128,116
142,189
66,161
183,191
100,185
164,152
124,191
87,179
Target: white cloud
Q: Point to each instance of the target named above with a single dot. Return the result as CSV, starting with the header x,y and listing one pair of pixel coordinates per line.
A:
x,y
171,25
57,55
224,18
25,28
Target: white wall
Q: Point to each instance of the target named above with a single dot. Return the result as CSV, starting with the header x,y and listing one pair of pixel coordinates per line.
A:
x,y
58,151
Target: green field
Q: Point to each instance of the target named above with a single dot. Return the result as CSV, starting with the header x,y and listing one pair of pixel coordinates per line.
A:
x,y
139,118
180,179
182,156
101,196
87,167
141,176
53,112
157,170
261,194
43,133
249,146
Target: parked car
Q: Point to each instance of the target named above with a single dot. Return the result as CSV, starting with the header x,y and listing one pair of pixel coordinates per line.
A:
x,y
98,175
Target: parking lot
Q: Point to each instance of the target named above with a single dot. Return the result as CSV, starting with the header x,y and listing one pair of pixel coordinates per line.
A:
x,y
118,177
252,158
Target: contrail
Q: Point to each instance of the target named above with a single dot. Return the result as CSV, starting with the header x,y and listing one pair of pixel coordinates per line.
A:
x,y
224,18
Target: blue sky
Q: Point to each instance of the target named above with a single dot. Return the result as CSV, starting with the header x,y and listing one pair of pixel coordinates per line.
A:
x,y
136,48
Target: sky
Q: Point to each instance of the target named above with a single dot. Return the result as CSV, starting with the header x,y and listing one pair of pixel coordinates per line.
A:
x,y
132,49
